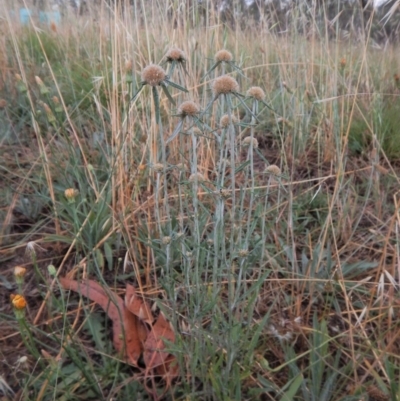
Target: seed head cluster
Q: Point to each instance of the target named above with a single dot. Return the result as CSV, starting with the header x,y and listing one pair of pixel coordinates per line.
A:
x,y
224,121
273,169
153,75
196,176
188,108
225,84
250,141
256,92
158,167
223,55
175,54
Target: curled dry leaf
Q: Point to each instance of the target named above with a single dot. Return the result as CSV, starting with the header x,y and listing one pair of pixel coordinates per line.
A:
x,y
137,305
125,324
154,348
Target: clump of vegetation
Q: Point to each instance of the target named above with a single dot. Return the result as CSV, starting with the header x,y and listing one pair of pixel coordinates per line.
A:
x,y
203,216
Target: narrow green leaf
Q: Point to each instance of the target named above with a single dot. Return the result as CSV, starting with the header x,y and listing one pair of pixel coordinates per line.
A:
x,y
109,255
293,389
165,90
174,85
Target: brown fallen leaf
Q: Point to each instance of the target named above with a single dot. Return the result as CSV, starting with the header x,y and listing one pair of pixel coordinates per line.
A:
x,y
124,322
137,305
169,370
154,354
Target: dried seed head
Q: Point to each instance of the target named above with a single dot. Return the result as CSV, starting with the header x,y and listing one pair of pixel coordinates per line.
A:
x,y
210,242
273,169
166,240
343,62
181,166
188,108
224,121
225,84
250,141
158,167
55,100
3,104
256,92
223,55
189,255
18,301
243,253
153,75
128,65
225,193
71,194
18,77
196,176
175,54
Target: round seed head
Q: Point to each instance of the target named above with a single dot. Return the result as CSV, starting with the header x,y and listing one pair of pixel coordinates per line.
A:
x,y
175,54
256,92
158,167
249,140
188,108
153,75
243,253
273,169
225,193
225,84
166,240
3,103
223,55
181,166
224,121
128,65
196,176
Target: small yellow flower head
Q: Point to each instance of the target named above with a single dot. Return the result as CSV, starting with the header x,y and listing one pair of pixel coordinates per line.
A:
x,y
19,272
273,169
153,75
3,104
71,194
224,121
249,140
175,54
225,84
166,240
223,55
18,301
256,92
196,176
158,167
188,108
